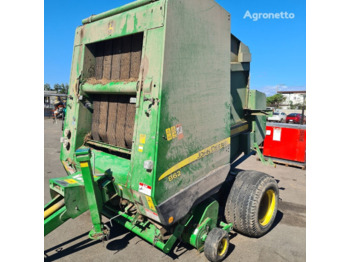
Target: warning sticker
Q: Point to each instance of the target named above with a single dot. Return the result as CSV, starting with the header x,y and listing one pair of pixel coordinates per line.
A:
x,y
70,181
84,164
173,132
145,189
150,203
140,148
142,139
78,177
151,214
276,134
179,132
168,134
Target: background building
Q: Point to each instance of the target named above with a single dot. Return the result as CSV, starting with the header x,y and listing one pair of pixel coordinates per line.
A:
x,y
294,99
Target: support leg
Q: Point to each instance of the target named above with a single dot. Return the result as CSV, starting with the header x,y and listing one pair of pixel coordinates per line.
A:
x,y
92,193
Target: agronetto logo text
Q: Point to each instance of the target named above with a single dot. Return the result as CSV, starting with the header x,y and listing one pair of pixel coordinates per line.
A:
x,y
257,16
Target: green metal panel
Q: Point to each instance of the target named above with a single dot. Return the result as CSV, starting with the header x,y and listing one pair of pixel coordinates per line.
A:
x,y
204,219
257,100
147,115
118,166
196,68
92,191
239,84
133,21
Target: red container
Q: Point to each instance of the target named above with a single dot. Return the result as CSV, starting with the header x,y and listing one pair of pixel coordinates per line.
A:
x,y
285,141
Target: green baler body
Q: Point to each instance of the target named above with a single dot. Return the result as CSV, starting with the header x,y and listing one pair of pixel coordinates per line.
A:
x,y
162,83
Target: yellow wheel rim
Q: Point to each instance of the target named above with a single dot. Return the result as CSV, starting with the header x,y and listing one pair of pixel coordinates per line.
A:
x,y
222,246
267,207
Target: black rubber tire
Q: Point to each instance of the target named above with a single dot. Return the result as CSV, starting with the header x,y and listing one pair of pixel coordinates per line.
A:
x,y
216,245
251,193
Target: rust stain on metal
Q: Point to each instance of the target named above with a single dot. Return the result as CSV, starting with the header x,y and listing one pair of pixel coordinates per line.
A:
x,y
87,137
82,32
144,67
104,81
111,27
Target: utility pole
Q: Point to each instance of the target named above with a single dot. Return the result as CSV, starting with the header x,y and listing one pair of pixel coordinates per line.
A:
x,y
279,85
302,110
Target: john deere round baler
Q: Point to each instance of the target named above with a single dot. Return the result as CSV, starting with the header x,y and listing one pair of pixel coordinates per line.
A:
x,y
159,114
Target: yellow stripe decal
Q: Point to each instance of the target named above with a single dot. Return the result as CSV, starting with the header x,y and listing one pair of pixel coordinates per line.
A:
x,y
84,164
150,203
239,129
70,181
207,151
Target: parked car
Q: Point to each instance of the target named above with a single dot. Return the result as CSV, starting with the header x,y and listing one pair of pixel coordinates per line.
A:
x,y
277,117
295,118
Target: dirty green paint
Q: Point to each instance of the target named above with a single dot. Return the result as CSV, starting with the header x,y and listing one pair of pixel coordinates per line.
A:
x,y
205,218
117,10
92,192
110,88
55,220
187,81
195,91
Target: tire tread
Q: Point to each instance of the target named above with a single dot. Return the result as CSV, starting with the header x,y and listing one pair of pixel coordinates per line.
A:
x,y
243,202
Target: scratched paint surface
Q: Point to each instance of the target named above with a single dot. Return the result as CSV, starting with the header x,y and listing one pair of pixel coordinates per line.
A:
x,y
195,91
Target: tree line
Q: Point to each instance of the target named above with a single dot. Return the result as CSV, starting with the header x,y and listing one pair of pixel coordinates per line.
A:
x,y
275,100
278,99
59,88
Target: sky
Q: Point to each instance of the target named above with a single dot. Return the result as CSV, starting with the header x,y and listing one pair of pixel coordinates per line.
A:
x,y
277,45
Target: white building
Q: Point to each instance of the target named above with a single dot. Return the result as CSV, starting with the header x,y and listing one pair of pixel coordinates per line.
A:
x,y
294,97
49,98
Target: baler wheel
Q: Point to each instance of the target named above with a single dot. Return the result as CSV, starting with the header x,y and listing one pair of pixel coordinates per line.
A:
x,y
216,245
252,204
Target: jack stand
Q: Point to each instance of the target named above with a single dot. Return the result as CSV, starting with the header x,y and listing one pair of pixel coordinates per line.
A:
x,y
269,162
93,195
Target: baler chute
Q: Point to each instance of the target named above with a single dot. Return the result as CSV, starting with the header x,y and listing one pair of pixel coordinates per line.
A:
x,y
159,112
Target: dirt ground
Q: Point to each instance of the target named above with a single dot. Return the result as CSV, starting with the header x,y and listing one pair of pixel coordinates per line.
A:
x,y
285,242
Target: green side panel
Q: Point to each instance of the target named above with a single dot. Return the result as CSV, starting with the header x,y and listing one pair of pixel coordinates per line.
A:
x,y
236,147
73,109
75,201
257,100
117,166
239,84
145,136
195,92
